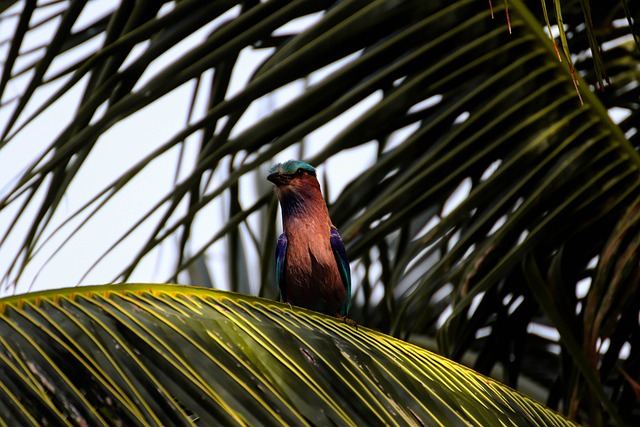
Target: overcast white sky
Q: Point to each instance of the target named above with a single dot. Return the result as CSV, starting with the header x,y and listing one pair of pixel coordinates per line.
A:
x,y
121,147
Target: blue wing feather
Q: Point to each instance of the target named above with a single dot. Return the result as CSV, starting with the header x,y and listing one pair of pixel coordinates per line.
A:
x,y
340,253
281,256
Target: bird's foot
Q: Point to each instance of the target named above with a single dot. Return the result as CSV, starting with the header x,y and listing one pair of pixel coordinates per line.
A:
x,y
348,321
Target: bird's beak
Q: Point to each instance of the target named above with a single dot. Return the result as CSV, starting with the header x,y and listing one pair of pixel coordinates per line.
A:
x,y
277,178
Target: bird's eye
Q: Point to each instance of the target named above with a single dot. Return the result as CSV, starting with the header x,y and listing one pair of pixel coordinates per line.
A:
x,y
299,172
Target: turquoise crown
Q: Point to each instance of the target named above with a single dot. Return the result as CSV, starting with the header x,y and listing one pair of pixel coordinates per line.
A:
x,y
292,166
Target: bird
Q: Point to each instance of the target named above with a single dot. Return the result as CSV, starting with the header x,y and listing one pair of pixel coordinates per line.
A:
x,y
312,267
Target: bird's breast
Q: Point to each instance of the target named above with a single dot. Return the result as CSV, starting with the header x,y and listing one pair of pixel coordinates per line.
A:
x,y
312,278
308,252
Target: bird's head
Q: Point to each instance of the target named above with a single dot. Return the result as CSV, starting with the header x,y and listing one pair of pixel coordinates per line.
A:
x,y
293,173
297,187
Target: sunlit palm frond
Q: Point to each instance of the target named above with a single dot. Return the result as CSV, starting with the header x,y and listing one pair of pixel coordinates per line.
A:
x,y
175,355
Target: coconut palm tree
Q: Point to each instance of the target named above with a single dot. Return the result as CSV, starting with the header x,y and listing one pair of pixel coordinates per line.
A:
x,y
490,210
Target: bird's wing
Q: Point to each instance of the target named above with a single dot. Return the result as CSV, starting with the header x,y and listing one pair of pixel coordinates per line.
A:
x,y
340,253
281,256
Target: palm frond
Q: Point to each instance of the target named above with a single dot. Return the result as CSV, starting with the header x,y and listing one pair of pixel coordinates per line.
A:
x,y
149,354
487,166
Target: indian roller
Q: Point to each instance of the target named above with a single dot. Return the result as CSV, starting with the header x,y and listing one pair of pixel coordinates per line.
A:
x,y
312,269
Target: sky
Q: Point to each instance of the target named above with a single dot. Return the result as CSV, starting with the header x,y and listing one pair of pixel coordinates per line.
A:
x,y
120,148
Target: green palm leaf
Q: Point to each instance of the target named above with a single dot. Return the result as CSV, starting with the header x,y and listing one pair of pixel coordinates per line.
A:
x,y
175,355
490,178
